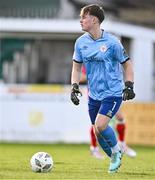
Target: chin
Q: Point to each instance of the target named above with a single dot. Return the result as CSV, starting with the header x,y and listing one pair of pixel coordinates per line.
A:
x,y
83,29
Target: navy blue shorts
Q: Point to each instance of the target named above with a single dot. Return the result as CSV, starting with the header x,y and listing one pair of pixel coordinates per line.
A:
x,y
108,107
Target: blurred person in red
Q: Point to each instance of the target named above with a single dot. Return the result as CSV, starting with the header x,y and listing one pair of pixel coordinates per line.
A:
x,y
120,128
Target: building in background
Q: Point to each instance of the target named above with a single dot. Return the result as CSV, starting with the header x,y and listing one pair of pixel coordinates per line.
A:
x,y
37,39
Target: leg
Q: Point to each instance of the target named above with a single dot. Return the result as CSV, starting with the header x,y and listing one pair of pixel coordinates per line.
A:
x,y
107,110
104,131
93,141
94,149
93,107
121,127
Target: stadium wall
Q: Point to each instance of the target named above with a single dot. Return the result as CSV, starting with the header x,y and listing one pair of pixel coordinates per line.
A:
x,y
45,114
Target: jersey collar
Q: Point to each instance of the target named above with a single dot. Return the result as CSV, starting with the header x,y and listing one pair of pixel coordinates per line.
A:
x,y
102,35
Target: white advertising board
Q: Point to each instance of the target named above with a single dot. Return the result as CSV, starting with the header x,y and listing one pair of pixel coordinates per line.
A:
x,y
42,114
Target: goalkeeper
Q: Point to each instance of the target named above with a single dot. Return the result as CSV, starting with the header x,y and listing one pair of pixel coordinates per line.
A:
x,y
102,54
119,125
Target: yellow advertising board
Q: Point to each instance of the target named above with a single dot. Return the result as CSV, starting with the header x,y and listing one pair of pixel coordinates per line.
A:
x,y
140,120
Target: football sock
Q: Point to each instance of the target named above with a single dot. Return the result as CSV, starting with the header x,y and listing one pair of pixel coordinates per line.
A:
x,y
109,135
93,141
115,149
120,127
107,140
104,145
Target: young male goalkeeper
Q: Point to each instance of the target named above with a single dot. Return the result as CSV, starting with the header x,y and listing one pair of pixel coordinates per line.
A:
x,y
119,127
101,53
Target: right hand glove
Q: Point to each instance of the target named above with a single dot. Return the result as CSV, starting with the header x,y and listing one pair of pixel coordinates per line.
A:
x,y
75,92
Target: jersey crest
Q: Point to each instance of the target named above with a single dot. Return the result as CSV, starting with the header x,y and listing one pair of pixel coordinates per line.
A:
x,y
103,48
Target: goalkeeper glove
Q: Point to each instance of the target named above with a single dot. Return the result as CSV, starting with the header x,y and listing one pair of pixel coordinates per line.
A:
x,y
128,92
75,92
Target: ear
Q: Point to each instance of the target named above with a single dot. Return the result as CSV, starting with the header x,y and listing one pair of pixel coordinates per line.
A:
x,y
95,20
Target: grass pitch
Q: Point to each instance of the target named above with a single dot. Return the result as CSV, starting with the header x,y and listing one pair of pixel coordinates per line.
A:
x,y
73,162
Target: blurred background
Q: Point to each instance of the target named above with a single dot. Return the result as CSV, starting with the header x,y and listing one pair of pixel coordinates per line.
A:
x,y
36,46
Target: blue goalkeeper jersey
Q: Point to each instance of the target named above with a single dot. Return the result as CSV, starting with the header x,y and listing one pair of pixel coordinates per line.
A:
x,y
102,59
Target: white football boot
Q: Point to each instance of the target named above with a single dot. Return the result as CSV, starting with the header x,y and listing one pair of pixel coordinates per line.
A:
x,y
95,152
127,150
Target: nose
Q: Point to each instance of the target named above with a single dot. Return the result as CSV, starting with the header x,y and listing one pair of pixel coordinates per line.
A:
x,y
81,20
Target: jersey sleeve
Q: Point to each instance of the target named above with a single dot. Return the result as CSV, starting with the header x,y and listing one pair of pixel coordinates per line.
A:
x,y
120,53
77,57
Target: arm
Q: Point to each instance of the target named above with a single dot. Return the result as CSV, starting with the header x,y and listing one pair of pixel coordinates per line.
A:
x,y
128,92
76,70
75,79
128,71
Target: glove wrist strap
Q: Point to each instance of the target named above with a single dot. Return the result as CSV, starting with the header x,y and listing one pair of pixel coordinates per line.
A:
x,y
129,84
75,85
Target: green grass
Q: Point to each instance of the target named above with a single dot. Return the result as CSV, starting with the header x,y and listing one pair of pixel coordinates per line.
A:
x,y
73,162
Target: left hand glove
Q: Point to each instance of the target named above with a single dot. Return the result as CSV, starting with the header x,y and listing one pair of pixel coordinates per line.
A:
x,y
128,92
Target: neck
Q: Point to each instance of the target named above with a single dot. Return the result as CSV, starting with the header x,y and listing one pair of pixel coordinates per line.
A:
x,y
96,34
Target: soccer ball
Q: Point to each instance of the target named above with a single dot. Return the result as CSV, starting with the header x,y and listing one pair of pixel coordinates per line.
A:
x,y
41,162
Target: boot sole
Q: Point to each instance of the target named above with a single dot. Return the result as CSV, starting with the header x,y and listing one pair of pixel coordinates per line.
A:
x,y
114,171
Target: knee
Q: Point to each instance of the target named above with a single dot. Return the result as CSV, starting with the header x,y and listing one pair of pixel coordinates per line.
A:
x,y
99,128
119,116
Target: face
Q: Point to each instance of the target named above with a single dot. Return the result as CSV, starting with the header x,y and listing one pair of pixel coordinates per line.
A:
x,y
87,22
